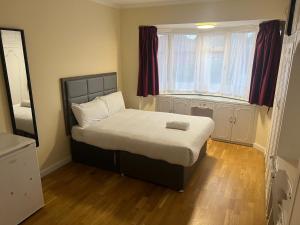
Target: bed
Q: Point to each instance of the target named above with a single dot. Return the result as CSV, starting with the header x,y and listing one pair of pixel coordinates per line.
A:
x,y
134,142
23,118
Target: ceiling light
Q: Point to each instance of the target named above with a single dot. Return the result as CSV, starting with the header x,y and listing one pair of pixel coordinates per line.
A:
x,y
206,25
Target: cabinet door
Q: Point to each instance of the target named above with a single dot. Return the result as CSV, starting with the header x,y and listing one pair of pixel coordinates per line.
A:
x,y
182,106
223,115
201,103
164,104
278,109
243,125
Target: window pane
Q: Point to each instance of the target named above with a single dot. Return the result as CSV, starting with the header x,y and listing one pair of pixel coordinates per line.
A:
x,y
240,61
209,63
213,58
183,60
162,58
214,42
216,70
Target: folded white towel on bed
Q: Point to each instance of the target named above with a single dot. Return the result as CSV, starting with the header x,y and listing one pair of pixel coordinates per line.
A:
x,y
178,125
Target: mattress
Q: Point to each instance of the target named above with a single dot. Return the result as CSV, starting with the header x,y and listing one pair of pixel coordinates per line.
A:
x,y
23,118
145,133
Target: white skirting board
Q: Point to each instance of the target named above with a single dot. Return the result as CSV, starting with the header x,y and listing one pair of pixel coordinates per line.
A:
x,y
55,166
260,147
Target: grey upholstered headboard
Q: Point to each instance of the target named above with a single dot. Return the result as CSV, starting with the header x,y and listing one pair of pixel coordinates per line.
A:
x,y
84,89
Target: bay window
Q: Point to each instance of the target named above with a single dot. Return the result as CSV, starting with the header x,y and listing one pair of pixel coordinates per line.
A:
x,y
212,63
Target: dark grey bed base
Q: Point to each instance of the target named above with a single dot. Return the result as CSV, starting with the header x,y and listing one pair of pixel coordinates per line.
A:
x,y
157,171
137,166
86,88
94,156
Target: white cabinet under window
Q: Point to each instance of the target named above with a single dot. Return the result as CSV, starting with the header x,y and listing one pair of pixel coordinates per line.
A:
x,y
243,124
182,106
165,104
234,120
204,104
223,117
234,123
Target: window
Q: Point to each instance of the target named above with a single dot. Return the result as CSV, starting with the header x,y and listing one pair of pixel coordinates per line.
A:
x,y
183,55
206,63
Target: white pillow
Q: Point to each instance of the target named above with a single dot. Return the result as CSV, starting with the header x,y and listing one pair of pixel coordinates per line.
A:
x,y
114,102
89,112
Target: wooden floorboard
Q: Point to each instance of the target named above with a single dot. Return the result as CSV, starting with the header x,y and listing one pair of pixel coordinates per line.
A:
x,y
226,189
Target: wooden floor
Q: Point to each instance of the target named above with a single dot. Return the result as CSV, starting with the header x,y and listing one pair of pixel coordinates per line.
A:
x,y
226,189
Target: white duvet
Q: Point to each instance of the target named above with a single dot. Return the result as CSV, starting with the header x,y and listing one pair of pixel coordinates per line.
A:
x,y
23,118
145,133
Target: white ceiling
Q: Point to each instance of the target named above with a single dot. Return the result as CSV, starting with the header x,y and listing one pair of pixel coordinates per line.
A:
x,y
145,3
245,23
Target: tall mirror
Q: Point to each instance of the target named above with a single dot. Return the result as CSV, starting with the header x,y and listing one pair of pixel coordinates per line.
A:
x,y
17,79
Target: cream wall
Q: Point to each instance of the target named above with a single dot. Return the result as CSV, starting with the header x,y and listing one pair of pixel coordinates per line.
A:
x,y
264,121
228,10
75,37
64,38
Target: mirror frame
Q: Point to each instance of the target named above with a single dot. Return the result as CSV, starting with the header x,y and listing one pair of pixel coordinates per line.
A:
x,y
8,91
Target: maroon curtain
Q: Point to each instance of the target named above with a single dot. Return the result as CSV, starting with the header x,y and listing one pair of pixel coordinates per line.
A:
x,y
148,66
266,63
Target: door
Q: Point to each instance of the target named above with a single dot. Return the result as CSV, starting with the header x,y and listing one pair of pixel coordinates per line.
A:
x,y
182,106
164,104
243,124
223,117
278,109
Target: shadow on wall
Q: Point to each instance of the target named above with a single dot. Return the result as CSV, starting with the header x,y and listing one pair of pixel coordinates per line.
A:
x,y
61,144
148,103
5,124
264,120
266,115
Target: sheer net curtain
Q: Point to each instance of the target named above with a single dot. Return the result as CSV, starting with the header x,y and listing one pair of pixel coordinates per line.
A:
x,y
206,63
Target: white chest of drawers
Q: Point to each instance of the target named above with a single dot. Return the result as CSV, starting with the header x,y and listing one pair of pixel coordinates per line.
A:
x,y
20,183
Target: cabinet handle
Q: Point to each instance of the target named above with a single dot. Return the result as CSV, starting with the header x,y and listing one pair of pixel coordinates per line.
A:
x,y
230,119
235,120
